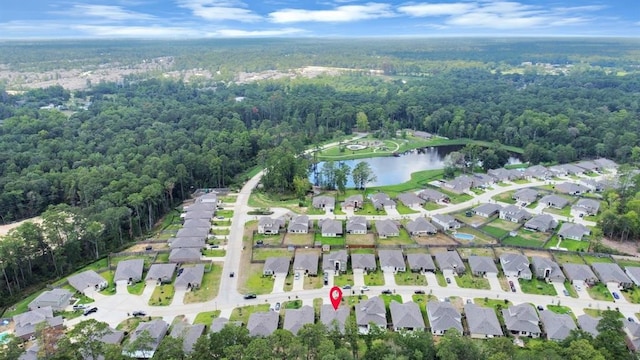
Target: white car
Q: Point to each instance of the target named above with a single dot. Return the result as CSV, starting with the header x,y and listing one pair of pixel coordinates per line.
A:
x,y
297,276
364,288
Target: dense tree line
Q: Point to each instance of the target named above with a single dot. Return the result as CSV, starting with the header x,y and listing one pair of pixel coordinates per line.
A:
x,y
620,218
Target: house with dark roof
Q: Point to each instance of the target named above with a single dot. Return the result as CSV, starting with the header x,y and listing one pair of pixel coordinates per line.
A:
x,y
307,263
445,222
557,326
538,172
586,207
190,277
217,324
450,263
573,231
433,196
185,255
420,227
366,262
129,270
610,273
353,202
558,170
525,196
571,169
370,312
334,318
634,274
357,225
522,320
589,324
392,261
156,329
605,164
514,214
592,184
588,166
262,323
406,316
632,332
411,200
189,334
547,269
197,223
87,280
487,210
200,206
482,265
443,317
187,242
541,223
330,227
57,299
26,323
269,226
161,272
502,174
200,214
335,261
483,322
459,185
324,202
554,201
295,319
382,201
579,274
571,188
421,263
276,266
299,225
387,228
197,232
483,180
515,265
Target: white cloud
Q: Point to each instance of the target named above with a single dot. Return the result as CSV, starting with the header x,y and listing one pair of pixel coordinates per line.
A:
x,y
220,10
345,13
107,12
420,10
137,31
256,33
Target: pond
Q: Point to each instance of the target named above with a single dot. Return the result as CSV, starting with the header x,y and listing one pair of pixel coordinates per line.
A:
x,y
391,170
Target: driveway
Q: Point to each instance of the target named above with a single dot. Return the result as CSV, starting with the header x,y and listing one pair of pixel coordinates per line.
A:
x,y
389,278
516,284
559,288
494,282
149,286
613,288
583,293
278,285
358,277
178,297
392,213
432,280
298,284
121,287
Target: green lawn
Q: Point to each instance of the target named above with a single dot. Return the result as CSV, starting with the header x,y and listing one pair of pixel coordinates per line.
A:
x,y
595,259
559,309
162,258
111,287
496,304
206,317
479,237
520,241
256,283
294,304
22,306
440,278
409,278
562,257
208,288
432,206
375,278
565,211
220,231
632,295
162,295
229,199
333,241
505,197
403,239
353,300
242,313
472,282
538,287
571,245
343,279
214,253
224,213
387,299
599,292
404,210
494,231
137,288
625,263
570,289
598,312
263,253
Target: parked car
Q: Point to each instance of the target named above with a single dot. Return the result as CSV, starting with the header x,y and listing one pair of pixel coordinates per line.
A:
x,y
260,242
578,287
631,319
419,292
469,301
250,296
346,287
297,276
148,248
79,307
90,311
232,274
139,313
220,217
448,281
540,307
364,288
565,292
387,292
616,295
277,307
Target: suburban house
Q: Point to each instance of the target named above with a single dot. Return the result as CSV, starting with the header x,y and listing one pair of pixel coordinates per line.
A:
x,y
366,262
87,280
208,198
482,265
632,331
443,317
487,210
588,166
299,224
371,312
161,272
538,172
201,206
483,180
382,201
276,266
26,323
157,329
580,274
406,316
217,324
188,333
573,231
421,226
185,255
483,322
129,270
433,196
502,174
335,261
324,202
571,169
190,277
522,320
56,299
571,188
306,263
525,196
515,265
514,214
450,263
586,207
187,242
332,318
634,274
357,225
557,326
558,170
387,228
330,227
589,324
353,202
547,269
541,223
392,261
445,222
198,214
295,319
269,226
198,223
605,164
554,201
263,323
421,263
610,273
459,185
411,200
199,232
591,184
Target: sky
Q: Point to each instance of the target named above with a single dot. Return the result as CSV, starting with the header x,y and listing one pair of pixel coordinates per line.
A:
x,y
184,19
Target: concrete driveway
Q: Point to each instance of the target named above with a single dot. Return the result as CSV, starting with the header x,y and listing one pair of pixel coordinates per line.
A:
x,y
298,284
516,284
358,277
149,286
613,288
278,285
494,282
389,278
178,297
121,287
432,280
559,288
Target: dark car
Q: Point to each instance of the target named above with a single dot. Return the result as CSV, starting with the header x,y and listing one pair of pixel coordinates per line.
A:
x,y
277,307
346,287
616,296
250,296
387,292
90,311
232,274
540,307
631,319
139,313
448,281
419,292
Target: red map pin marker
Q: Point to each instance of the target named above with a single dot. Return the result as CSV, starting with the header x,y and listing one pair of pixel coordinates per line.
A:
x,y
336,296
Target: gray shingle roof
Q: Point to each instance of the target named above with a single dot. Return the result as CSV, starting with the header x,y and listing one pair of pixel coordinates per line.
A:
x,y
201,232
410,199
557,326
387,228
324,201
406,315
421,225
432,195
198,223
129,269
328,260
589,206
201,214
371,311
541,264
357,223
573,231
190,275
420,261
161,271
277,265
482,264
526,195
443,316
487,209
57,298
262,323
578,272
299,223
363,261
196,242
185,255
571,188
392,258
307,262
554,200
86,279
634,273
449,260
330,317
330,226
381,200
188,333
157,329
482,320
515,263
608,272
295,319
589,324
541,223
522,317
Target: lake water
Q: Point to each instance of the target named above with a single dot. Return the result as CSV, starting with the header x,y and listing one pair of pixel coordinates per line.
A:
x,y
391,170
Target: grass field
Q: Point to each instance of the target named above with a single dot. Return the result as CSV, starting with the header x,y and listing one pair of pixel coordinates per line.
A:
x,y
214,253
496,304
562,258
559,309
333,241
403,239
632,295
409,278
387,299
505,197
137,288
298,239
521,241
264,253
498,233
131,324
364,239
572,291
571,245
162,295
343,279
208,288
595,259
599,292
479,237
538,287
206,317
242,313
375,278
472,282
432,206
624,263
504,224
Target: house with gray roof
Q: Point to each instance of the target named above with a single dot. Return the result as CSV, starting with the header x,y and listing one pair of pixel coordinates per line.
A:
x,y
217,324
421,263
482,265
483,180
538,172
573,231
353,202
199,232
541,223
201,214
307,263
406,316
87,280
554,201
515,265
547,269
525,196
276,266
382,201
610,273
187,242
411,200
632,332
157,329
459,185
445,222
161,272
185,255
483,322
190,278
571,169
589,324
502,174
634,274
208,198
571,188
420,227
558,170
443,317
26,323
433,196
586,207
330,227
605,164
366,262
592,184
113,337
387,228
188,333
514,214
487,210
579,274
201,205
197,223
335,261
269,226
129,270
450,262
334,318
371,312
324,202
299,224
263,323
588,166
57,299
522,320
357,225
31,353
295,319
392,260
557,326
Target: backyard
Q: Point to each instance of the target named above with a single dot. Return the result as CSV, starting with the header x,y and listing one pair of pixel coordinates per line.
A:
x,y
333,241
261,254
562,257
360,239
298,239
403,239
